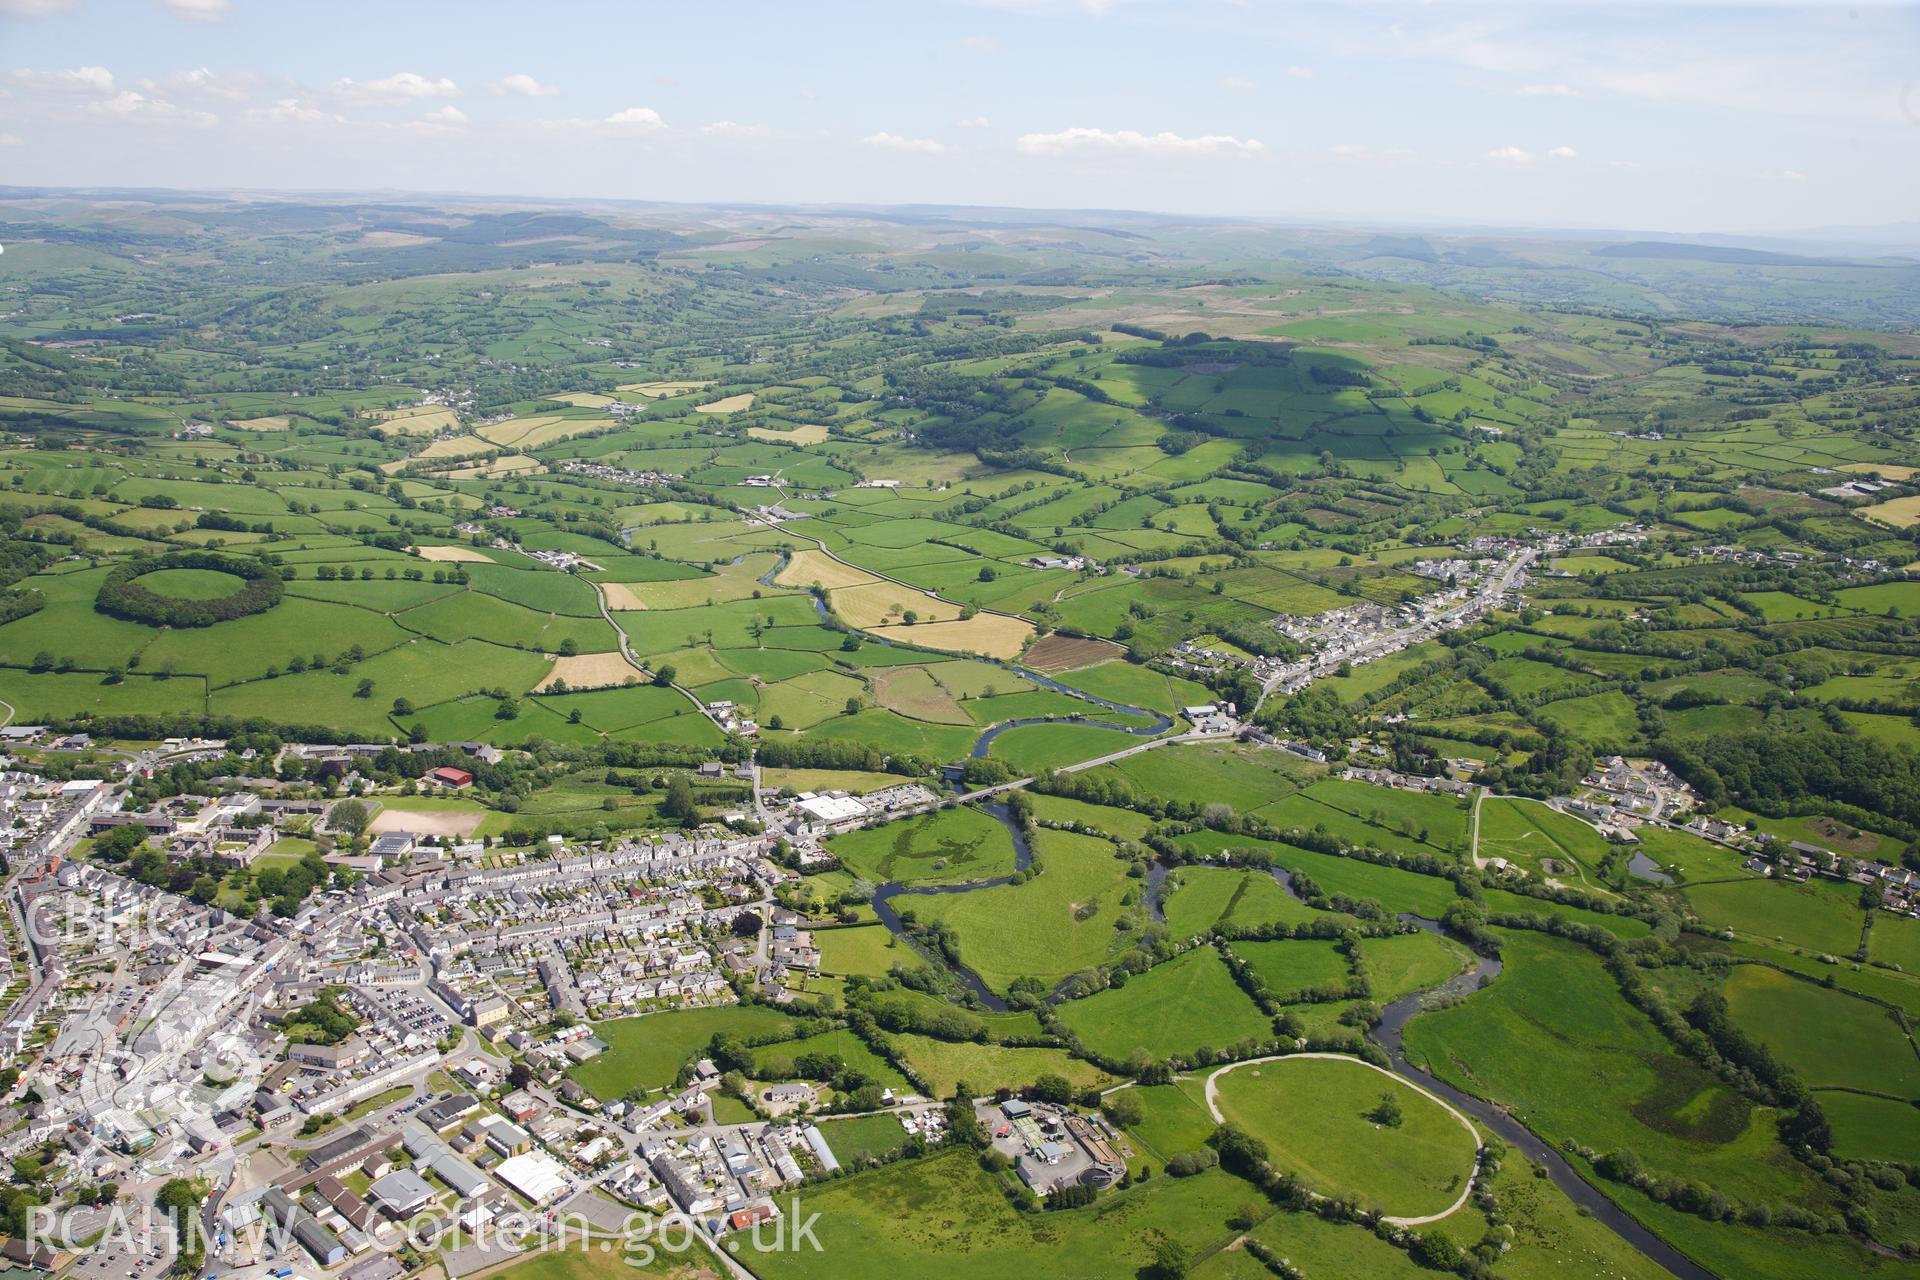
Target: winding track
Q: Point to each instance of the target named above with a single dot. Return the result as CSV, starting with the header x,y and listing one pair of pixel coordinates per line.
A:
x,y
1213,1107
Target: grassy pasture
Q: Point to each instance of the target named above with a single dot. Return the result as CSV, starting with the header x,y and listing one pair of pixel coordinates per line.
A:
x,y
645,1052
1610,1080
1393,888
1829,1038
1198,898
1172,1009
1820,915
946,846
1314,1114
944,1214
1410,962
1055,924
868,950
1293,967
945,1064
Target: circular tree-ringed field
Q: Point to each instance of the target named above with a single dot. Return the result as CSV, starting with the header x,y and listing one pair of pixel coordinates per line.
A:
x,y
189,589
1349,1129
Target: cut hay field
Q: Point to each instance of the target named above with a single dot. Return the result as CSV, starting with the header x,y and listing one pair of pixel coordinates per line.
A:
x,y
589,671
816,568
800,436
429,816
728,404
991,635
916,693
1901,513
536,432
415,420
659,390
452,555
878,605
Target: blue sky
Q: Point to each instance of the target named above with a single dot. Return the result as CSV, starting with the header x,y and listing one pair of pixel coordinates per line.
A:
x,y
1651,116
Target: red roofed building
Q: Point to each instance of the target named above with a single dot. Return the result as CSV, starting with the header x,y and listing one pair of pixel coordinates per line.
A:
x,y
751,1216
448,776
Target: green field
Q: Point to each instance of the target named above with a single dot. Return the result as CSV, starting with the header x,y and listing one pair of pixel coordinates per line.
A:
x,y
868,950
1316,1117
1819,915
1410,962
1610,1081
1828,1038
1171,1010
860,1137
1869,1128
775,1061
899,1221
1199,898
644,1053
944,847
1295,969
945,1064
1055,924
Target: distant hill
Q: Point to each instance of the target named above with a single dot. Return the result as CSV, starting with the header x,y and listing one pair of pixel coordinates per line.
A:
x,y
1717,253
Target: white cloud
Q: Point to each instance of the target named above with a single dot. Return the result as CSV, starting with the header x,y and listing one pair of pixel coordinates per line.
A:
x,y
74,80
631,122
522,85
294,111
1085,141
402,86
981,44
894,142
973,122
1562,153
641,119
1546,91
1510,155
202,83
1352,150
448,117
1301,73
35,8
1784,175
11,140
200,10
138,108
1237,84
732,129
